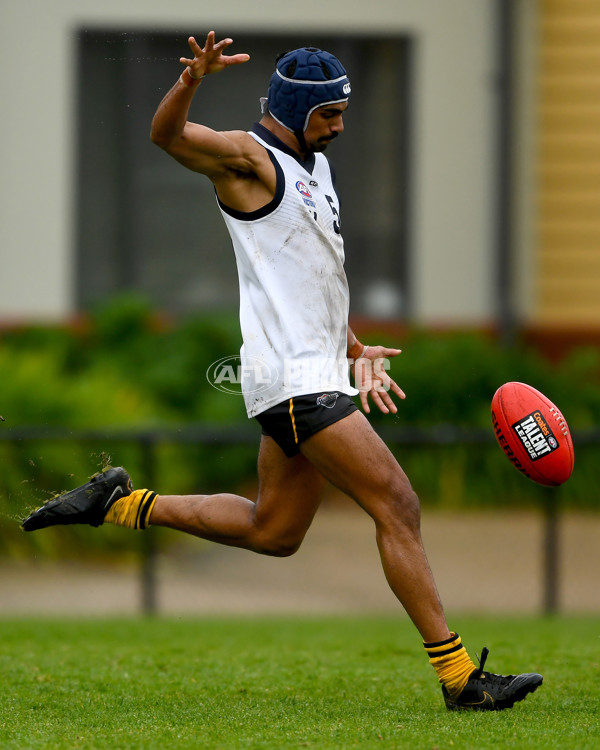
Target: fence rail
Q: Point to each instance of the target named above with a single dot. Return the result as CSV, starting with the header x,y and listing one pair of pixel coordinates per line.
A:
x,y
148,439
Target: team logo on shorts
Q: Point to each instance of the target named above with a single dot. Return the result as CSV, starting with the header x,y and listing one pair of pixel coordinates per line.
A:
x,y
305,193
328,400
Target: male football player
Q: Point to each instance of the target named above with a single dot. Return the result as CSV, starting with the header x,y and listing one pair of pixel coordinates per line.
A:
x,y
276,191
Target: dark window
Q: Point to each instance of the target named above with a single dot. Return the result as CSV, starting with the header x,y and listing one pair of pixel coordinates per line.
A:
x,y
146,223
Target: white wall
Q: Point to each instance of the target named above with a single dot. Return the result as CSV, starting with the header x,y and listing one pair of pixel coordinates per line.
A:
x,y
452,160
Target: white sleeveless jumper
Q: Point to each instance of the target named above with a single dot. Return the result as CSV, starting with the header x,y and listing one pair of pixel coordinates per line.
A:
x,y
293,290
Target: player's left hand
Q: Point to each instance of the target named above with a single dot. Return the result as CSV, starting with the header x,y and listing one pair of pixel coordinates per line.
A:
x,y
371,379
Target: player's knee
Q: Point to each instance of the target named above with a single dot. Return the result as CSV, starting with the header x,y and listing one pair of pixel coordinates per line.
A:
x,y
280,549
278,546
401,507
409,507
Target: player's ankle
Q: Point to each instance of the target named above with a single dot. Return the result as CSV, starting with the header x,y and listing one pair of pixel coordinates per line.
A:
x,y
132,511
451,662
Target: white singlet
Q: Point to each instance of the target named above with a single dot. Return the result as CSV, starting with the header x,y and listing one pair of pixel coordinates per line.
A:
x,y
293,290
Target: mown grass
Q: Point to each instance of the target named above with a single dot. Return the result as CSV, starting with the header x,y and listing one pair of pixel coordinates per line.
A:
x,y
284,683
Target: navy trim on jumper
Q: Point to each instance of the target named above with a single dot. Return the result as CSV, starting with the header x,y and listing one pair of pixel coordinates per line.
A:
x,y
333,175
333,182
274,141
269,207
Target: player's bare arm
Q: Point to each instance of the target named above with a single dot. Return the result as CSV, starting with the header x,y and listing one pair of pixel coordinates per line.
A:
x,y
239,167
368,367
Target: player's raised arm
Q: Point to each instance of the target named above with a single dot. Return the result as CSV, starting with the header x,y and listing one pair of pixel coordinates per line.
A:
x,y
195,146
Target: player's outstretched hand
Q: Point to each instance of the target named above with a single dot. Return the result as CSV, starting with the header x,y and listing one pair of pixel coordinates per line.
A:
x,y
371,379
210,59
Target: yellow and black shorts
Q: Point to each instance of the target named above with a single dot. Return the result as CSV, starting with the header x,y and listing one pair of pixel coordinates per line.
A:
x,y
292,421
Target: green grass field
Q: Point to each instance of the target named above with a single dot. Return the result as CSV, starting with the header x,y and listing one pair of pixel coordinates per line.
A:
x,y
285,683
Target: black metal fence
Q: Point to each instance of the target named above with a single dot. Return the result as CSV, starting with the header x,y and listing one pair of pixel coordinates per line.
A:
x,y
147,442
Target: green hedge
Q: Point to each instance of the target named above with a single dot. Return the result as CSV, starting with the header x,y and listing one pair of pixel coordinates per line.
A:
x,y
124,366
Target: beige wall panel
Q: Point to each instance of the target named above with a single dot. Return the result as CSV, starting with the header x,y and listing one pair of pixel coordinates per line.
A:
x,y
568,205
453,134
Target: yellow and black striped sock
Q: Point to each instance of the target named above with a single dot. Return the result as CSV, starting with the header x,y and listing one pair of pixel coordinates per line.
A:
x,y
451,662
132,511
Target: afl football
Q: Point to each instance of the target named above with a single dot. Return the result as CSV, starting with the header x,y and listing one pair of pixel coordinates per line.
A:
x,y
533,434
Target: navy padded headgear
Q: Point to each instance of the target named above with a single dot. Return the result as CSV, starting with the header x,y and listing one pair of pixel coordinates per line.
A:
x,y
305,79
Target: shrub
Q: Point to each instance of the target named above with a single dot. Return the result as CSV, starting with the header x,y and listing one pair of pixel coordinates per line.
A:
x,y
125,367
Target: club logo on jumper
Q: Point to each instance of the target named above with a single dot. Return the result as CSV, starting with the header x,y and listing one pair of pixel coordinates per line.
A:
x,y
328,400
536,436
305,193
240,374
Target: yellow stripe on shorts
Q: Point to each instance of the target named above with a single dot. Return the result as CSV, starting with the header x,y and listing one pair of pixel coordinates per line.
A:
x,y
293,420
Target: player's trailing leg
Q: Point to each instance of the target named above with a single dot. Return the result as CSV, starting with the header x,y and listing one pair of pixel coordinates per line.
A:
x,y
465,686
107,497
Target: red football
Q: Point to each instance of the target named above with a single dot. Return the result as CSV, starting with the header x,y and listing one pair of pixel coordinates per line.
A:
x,y
533,433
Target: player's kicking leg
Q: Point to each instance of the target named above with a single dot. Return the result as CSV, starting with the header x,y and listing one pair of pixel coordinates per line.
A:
x,y
275,524
93,502
289,494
